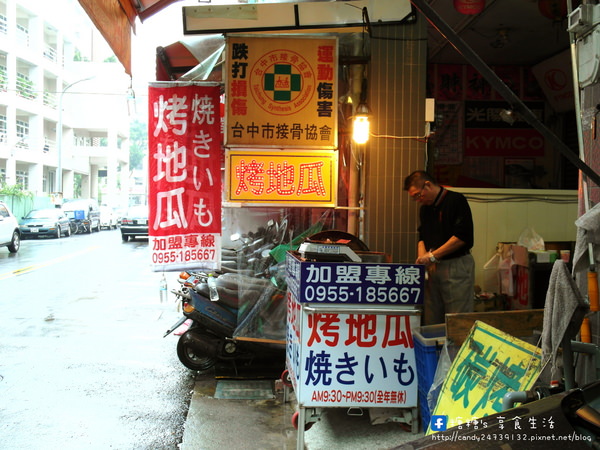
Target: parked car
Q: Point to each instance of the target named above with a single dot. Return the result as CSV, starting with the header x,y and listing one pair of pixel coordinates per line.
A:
x,y
108,218
134,222
10,235
119,213
85,212
45,222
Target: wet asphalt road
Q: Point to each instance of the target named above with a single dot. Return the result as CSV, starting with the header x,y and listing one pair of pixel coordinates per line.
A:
x,y
83,363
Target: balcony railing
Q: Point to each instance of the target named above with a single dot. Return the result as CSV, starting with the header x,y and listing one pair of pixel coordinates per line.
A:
x,y
22,35
49,145
3,78
86,141
25,87
50,99
3,24
23,142
50,53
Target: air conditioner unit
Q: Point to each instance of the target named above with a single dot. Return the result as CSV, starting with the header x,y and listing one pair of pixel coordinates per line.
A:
x,y
588,58
583,18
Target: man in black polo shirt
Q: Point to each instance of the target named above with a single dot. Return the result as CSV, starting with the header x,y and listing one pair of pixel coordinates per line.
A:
x,y
445,241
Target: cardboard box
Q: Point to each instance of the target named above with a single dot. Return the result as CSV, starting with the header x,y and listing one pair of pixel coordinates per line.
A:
x,y
485,303
521,298
518,252
546,256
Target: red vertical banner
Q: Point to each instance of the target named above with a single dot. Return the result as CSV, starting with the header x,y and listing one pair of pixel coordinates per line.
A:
x,y
449,82
184,137
477,87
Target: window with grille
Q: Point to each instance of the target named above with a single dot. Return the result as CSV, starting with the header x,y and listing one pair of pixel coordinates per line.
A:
x,y
22,134
3,24
3,137
23,179
3,78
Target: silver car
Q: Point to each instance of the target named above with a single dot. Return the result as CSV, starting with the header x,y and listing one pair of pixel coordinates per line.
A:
x,y
45,222
10,235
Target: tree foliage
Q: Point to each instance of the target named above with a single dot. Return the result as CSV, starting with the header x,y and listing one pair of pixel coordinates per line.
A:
x,y
138,144
15,190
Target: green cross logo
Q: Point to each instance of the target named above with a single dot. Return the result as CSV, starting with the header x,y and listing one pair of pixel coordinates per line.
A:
x,y
282,83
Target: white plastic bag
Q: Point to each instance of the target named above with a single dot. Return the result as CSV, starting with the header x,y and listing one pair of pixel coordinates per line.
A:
x,y
507,286
441,372
531,240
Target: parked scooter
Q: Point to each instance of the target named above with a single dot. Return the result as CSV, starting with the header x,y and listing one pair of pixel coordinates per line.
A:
x,y
210,337
253,256
243,320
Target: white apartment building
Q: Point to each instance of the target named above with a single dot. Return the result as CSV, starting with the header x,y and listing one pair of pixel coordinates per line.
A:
x,y
45,63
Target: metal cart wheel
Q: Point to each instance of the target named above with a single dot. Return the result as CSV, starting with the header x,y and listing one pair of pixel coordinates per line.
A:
x,y
296,419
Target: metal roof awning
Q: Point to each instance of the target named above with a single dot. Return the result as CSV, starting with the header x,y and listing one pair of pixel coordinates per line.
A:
x,y
115,19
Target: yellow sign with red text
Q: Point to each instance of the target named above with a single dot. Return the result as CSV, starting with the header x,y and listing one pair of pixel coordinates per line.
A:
x,y
271,177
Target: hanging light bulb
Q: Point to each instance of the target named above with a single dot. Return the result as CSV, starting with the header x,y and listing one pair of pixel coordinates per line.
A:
x,y
361,125
508,116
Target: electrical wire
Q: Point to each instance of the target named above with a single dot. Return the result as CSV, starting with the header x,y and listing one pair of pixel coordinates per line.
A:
x,y
519,199
38,92
387,136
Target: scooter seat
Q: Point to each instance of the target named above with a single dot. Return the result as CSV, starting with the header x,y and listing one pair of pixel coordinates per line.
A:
x,y
225,269
228,297
242,282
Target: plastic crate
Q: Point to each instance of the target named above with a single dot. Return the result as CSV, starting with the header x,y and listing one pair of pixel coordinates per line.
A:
x,y
424,410
428,341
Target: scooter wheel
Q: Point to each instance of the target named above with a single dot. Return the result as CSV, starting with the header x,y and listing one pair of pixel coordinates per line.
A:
x,y
295,418
285,378
192,359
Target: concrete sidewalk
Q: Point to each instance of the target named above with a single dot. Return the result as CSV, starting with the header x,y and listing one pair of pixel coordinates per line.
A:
x,y
248,416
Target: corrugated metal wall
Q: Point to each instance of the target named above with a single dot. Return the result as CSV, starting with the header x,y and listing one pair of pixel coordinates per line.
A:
x,y
591,138
397,79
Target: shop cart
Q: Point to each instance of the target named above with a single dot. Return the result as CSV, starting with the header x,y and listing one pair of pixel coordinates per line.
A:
x,y
349,341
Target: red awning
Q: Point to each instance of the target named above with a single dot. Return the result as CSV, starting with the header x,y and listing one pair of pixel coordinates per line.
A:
x,y
196,57
116,18
173,61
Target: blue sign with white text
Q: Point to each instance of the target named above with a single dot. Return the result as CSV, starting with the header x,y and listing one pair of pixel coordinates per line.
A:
x,y
352,282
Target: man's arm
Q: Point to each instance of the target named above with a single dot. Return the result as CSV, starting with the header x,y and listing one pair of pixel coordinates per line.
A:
x,y
450,246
